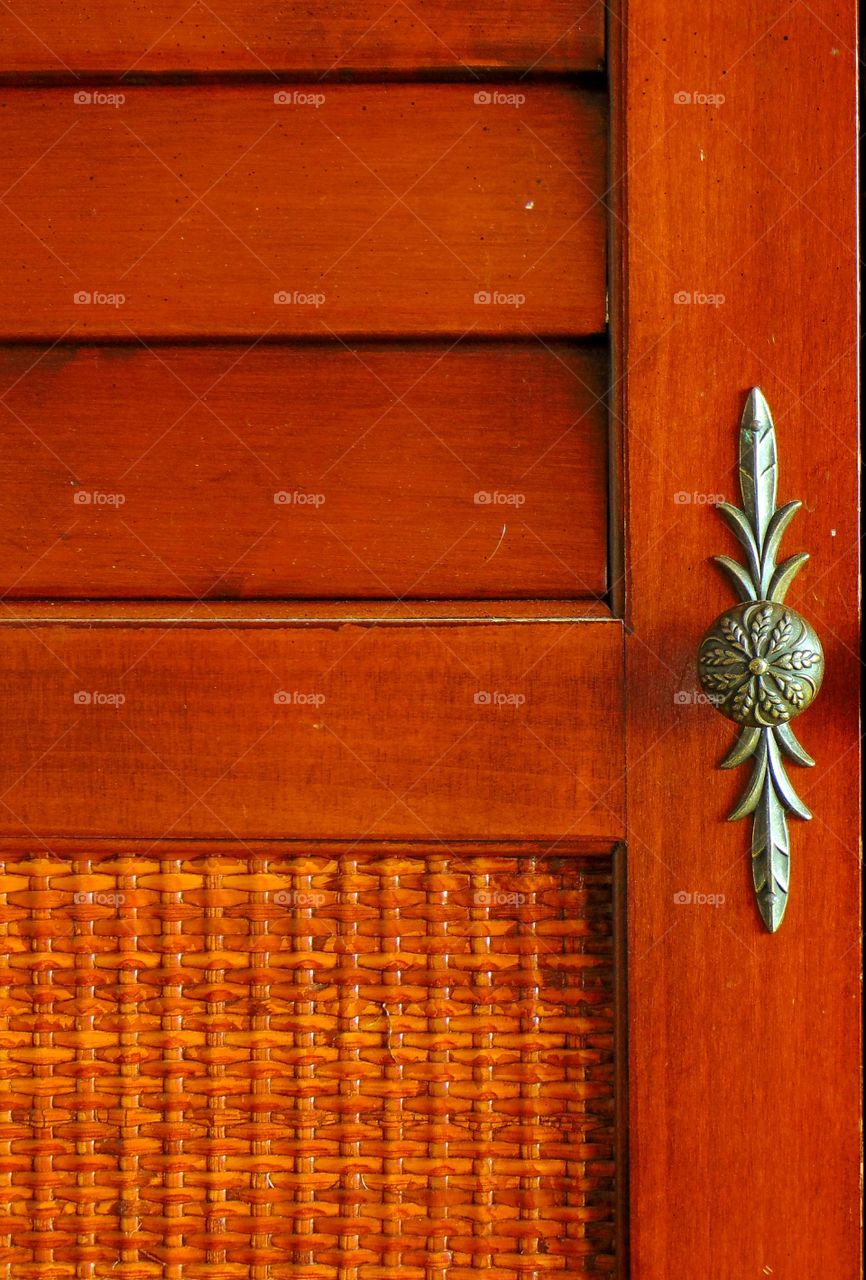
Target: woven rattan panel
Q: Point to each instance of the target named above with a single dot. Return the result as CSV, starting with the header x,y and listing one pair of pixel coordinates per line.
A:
x,y
359,1066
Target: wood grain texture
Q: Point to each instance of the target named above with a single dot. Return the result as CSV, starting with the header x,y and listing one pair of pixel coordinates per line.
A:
x,y
384,209
21,848
261,36
272,613
330,730
304,472
743,1045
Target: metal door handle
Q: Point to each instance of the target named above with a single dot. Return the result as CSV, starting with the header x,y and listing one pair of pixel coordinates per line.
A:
x,y
761,663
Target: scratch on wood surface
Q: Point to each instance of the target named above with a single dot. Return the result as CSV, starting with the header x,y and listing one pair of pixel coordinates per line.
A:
x,y
498,544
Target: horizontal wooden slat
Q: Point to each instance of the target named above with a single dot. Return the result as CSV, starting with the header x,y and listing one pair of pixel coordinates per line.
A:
x,y
19,849
303,472
381,731
318,35
386,209
275,613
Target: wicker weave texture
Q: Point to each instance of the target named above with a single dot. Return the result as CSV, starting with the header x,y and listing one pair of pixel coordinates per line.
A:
x,y
356,1065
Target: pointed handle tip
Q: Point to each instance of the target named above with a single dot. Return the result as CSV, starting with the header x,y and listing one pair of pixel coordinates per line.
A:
x,y
756,411
772,910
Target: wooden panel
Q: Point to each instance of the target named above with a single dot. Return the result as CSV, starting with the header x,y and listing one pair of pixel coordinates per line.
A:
x,y
274,613
743,1045
316,730
422,472
344,1034
386,209
269,35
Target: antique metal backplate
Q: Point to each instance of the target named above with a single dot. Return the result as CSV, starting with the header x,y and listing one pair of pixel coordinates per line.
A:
x,y
761,663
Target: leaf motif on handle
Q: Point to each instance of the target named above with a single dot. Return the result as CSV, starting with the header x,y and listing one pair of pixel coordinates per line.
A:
x,y
784,576
743,749
771,859
791,747
761,663
777,526
758,464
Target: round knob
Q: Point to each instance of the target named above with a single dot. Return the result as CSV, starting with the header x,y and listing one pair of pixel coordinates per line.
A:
x,y
761,664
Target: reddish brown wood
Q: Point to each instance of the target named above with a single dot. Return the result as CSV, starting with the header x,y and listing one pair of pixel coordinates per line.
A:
x,y
19,848
407,736
743,1045
387,209
479,471
258,36
275,613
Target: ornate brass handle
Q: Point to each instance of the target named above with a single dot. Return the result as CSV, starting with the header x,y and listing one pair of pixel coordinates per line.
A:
x,y
761,663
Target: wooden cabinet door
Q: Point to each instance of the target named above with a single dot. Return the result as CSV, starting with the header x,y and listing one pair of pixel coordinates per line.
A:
x,y
368,381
